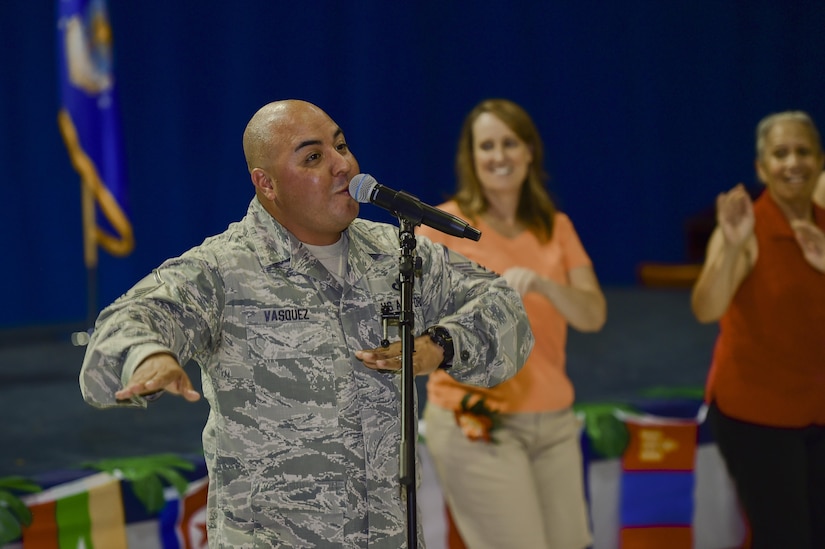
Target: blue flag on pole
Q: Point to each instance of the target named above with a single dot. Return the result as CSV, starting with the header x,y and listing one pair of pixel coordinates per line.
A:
x,y
89,121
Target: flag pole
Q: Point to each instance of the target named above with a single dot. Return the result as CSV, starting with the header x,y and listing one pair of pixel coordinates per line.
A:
x,y
94,146
90,255
93,192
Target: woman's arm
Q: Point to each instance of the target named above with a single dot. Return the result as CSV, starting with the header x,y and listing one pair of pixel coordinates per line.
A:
x,y
731,253
581,302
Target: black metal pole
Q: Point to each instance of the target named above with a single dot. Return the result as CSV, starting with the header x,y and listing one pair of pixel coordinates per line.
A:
x,y
91,297
80,339
409,414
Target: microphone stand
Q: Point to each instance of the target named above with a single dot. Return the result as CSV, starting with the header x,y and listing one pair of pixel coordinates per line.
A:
x,y
408,266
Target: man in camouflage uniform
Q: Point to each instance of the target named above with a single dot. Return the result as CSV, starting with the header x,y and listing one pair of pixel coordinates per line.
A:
x,y
283,314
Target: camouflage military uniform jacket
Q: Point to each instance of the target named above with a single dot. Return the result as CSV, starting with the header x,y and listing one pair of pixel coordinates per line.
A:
x,y
302,440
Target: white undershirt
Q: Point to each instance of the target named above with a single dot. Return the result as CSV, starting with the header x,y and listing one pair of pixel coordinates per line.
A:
x,y
333,257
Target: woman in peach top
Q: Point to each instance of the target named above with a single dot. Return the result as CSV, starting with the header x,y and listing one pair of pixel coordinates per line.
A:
x,y
519,484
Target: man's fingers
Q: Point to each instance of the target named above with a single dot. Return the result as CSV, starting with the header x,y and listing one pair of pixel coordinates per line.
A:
x,y
186,390
175,384
133,389
181,385
191,394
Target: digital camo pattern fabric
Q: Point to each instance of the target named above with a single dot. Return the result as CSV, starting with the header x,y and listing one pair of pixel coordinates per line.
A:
x,y
302,440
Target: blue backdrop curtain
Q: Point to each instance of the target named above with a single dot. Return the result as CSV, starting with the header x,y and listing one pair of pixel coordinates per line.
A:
x,y
647,108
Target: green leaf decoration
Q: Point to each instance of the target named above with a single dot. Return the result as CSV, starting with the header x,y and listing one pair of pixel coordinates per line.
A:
x,y
9,526
608,434
13,512
15,506
173,478
146,475
149,490
19,484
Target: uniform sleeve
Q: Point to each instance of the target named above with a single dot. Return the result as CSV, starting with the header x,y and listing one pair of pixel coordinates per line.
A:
x,y
485,317
175,309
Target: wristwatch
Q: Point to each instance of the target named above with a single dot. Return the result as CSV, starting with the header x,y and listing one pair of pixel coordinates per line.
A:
x,y
442,338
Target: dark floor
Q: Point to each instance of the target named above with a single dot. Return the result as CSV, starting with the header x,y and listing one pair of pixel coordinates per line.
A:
x,y
650,340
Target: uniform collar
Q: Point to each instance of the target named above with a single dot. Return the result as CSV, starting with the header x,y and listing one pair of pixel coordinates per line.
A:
x,y
272,242
275,245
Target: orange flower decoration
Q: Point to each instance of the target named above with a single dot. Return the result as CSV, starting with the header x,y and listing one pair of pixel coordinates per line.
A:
x,y
478,421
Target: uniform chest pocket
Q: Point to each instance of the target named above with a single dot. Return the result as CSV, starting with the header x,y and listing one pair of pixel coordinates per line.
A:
x,y
292,352
288,332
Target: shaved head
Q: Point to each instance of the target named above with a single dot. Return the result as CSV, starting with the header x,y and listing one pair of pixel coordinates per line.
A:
x,y
301,165
267,128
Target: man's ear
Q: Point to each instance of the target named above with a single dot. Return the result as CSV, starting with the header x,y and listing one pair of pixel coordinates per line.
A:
x,y
263,183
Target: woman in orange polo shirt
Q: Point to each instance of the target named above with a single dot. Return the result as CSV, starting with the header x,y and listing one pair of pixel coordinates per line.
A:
x,y
509,458
763,280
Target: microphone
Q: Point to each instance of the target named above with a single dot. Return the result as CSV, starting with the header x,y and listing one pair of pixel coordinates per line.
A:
x,y
365,189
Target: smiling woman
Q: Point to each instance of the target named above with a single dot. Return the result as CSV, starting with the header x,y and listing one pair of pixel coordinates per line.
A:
x,y
764,281
500,497
789,161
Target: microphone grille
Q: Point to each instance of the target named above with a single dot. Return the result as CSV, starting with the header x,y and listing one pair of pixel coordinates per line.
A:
x,y
361,187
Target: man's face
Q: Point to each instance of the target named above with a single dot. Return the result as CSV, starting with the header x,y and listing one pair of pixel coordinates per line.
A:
x,y
311,168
